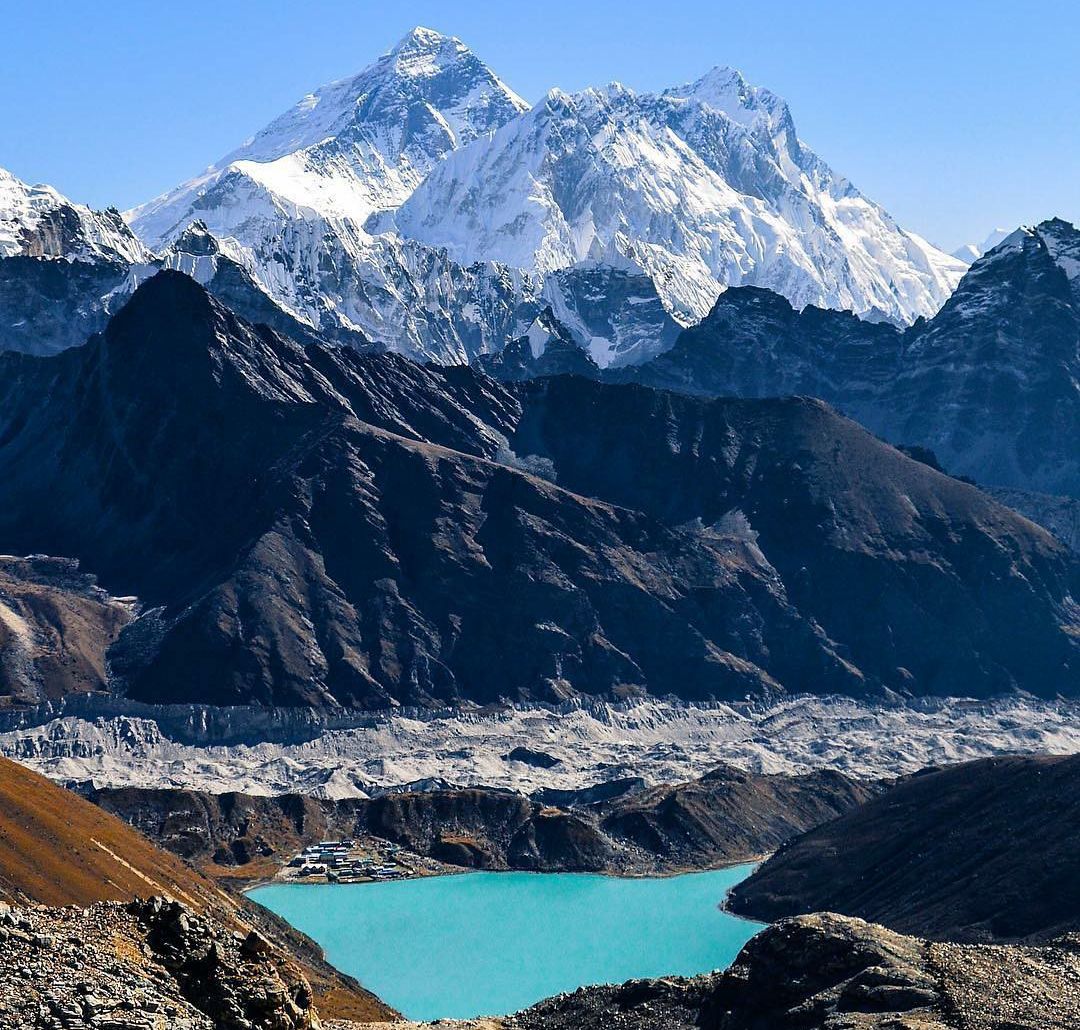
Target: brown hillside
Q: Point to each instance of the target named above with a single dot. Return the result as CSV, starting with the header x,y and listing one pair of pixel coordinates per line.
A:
x,y
58,849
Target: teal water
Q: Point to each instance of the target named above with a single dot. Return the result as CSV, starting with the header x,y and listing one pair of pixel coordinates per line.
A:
x,y
493,943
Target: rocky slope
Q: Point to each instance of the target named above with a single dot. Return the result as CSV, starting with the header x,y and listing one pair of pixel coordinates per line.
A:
x,y
141,965
375,532
824,503
980,851
725,817
1060,515
58,849
990,383
56,626
829,972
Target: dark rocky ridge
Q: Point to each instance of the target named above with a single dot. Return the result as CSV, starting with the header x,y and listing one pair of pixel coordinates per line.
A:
x,y
1060,515
725,817
988,384
986,850
311,526
50,304
847,524
830,972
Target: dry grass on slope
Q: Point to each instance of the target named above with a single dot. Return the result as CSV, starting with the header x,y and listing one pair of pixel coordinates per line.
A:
x,y
58,849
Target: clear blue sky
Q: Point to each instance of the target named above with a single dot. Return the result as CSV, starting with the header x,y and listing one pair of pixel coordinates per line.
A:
x,y
957,115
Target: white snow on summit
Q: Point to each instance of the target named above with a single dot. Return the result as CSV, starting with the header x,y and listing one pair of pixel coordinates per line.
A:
x,y
423,203
37,221
356,146
704,186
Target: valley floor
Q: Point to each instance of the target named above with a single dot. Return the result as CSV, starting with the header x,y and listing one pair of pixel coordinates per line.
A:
x,y
568,748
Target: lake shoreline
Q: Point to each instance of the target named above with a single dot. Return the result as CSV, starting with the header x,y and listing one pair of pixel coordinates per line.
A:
x,y
406,940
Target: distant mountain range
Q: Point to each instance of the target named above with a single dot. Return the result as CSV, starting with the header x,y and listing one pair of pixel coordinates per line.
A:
x,y
307,519
425,205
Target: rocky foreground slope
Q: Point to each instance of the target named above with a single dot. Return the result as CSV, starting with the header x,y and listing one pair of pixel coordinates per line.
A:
x,y
144,965
727,816
986,850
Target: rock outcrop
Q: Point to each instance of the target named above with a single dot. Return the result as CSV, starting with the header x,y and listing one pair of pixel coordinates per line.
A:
x,y
829,972
56,625
141,966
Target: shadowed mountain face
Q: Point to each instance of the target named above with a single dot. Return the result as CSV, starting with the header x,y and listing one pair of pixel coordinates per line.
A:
x,y
908,568
986,850
312,526
988,383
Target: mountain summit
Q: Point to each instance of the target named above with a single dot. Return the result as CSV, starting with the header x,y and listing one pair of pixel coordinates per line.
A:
x,y
425,205
37,221
702,186
356,146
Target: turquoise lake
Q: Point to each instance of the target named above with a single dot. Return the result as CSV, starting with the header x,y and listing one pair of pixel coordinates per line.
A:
x,y
492,943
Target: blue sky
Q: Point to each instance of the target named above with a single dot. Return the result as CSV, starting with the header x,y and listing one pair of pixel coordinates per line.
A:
x,y
957,116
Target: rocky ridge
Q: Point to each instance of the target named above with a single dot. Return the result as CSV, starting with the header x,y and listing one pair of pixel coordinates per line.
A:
x,y
981,851
650,542
727,816
987,383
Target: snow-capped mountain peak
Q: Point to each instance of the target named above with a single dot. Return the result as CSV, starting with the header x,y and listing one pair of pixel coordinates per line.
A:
x,y
38,221
375,196
702,187
725,90
354,147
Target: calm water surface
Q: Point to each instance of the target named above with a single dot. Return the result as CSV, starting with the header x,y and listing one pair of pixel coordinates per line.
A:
x,y
493,943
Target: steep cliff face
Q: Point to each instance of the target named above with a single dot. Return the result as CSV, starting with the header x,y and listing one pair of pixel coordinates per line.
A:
x,y
37,221
990,383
